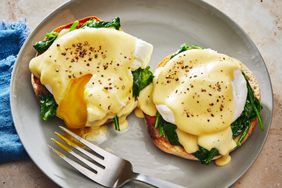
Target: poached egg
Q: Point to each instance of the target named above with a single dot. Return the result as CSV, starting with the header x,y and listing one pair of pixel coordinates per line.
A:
x,y
88,71
202,92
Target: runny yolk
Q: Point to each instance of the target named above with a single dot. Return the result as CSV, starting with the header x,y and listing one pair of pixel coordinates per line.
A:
x,y
72,109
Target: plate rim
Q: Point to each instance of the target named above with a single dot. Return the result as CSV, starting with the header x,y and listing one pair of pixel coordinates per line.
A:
x,y
200,3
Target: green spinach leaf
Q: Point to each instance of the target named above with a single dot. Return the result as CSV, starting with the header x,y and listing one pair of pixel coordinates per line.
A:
x,y
115,23
185,47
141,78
74,25
251,111
48,107
43,45
205,156
257,107
167,130
170,132
116,123
244,134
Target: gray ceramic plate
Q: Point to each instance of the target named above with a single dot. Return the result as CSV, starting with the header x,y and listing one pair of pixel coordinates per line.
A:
x,y
166,24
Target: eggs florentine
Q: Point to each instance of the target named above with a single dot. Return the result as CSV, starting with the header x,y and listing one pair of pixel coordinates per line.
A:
x,y
201,92
89,73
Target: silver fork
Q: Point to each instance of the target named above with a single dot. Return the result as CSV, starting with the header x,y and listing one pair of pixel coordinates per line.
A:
x,y
101,166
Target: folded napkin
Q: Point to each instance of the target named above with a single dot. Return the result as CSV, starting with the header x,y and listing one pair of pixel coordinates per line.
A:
x,y
12,36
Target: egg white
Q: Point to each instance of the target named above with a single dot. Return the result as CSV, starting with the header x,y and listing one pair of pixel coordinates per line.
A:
x,y
142,54
239,90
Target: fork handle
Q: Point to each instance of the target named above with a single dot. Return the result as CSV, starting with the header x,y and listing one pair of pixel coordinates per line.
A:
x,y
154,181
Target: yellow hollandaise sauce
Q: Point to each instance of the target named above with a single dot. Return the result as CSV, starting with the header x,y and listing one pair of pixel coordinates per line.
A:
x,y
88,71
194,91
139,113
145,101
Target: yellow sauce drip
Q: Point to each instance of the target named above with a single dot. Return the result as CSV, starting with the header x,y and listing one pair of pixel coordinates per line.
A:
x,y
222,161
95,134
124,125
145,101
188,141
138,113
221,140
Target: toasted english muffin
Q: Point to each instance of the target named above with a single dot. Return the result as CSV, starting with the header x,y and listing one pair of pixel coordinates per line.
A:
x,y
163,143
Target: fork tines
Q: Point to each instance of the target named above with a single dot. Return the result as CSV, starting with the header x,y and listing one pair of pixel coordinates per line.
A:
x,y
99,165
93,167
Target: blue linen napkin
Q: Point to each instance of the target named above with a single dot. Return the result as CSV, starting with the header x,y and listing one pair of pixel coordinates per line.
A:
x,y
12,36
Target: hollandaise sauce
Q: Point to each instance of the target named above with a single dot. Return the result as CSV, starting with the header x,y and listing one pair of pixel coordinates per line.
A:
x,y
195,91
89,73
